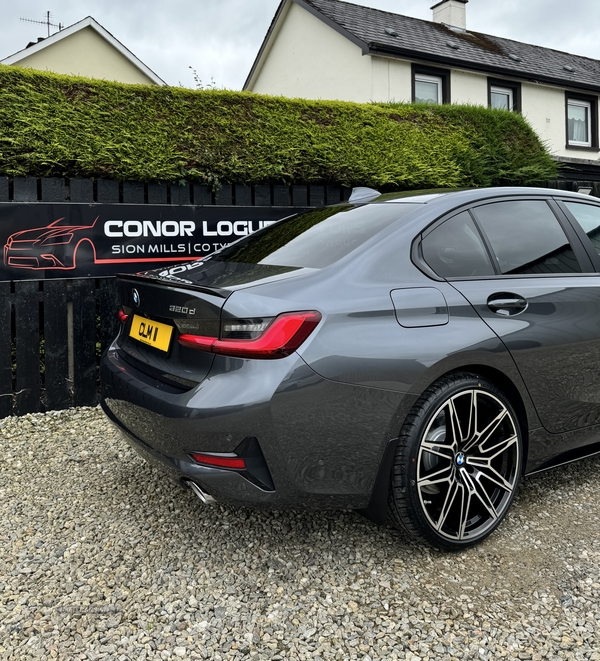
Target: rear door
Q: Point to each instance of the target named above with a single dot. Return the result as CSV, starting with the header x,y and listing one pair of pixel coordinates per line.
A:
x,y
543,301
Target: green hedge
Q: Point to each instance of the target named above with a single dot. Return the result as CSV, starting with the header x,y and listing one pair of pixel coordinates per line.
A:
x,y
53,125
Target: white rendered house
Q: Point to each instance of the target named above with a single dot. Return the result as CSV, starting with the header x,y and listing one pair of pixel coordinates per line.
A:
x,y
329,49
85,49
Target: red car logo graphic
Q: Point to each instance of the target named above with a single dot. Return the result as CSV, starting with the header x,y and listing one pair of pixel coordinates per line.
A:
x,y
59,245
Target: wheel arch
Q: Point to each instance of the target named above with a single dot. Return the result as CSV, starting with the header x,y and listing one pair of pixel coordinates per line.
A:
x,y
377,508
83,242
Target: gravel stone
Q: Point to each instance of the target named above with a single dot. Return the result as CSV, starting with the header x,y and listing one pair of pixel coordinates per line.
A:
x,y
101,557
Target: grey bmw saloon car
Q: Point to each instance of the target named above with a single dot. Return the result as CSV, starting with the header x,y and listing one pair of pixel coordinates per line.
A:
x,y
410,357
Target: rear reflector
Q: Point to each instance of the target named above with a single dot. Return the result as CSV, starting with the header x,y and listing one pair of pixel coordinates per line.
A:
x,y
281,338
123,317
219,460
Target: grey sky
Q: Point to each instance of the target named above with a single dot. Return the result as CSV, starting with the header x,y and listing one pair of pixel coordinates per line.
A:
x,y
220,38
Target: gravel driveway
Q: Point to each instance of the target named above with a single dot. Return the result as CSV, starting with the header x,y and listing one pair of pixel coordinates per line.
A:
x,y
102,559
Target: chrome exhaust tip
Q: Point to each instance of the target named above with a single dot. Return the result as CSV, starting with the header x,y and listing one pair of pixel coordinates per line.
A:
x,y
204,497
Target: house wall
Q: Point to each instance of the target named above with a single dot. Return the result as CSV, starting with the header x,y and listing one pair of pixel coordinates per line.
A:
x,y
466,87
391,80
86,53
544,109
310,60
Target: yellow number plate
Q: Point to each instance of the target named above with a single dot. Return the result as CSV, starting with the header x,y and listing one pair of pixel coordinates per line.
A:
x,y
150,332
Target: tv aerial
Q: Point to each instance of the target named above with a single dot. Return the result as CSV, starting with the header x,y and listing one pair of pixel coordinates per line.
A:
x,y
48,22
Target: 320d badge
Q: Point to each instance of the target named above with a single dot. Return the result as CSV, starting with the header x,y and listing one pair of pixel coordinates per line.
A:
x,y
410,356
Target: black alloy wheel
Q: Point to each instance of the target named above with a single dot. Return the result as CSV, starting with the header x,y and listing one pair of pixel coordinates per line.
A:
x,y
458,463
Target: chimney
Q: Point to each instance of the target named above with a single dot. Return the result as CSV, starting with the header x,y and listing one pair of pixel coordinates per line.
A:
x,y
452,13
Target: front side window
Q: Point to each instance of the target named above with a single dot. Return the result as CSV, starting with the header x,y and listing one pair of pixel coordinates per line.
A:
x,y
428,89
588,216
501,98
526,238
579,123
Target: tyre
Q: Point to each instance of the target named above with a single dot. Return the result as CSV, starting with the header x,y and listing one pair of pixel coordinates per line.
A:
x,y
458,463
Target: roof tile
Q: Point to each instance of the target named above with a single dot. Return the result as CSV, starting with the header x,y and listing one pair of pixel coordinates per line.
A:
x,y
475,50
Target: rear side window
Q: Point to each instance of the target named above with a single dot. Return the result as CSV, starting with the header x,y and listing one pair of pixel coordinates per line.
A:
x,y
454,249
526,238
588,217
316,238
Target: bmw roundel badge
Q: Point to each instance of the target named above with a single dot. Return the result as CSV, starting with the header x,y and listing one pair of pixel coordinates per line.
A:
x,y
136,297
460,459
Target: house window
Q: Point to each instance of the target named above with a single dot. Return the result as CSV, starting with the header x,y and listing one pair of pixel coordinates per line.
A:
x,y
580,133
504,94
430,85
582,120
502,98
428,89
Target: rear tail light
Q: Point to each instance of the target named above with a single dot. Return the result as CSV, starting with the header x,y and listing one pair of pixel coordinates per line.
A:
x,y
244,329
258,338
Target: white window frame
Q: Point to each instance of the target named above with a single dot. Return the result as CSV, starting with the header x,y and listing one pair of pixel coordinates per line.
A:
x,y
426,78
507,91
588,106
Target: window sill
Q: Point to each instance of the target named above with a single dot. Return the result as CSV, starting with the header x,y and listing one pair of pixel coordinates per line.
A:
x,y
578,148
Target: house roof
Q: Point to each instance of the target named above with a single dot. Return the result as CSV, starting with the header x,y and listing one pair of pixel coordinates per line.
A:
x,y
87,22
380,32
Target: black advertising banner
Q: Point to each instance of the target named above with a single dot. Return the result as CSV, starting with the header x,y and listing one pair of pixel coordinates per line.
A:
x,y
77,240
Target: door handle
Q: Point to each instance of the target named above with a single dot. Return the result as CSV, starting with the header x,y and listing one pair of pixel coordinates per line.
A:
x,y
506,304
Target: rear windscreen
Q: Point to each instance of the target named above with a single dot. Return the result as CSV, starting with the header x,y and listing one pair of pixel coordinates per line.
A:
x,y
315,239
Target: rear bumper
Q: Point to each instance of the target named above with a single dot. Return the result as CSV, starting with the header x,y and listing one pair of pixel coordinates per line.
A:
x,y
322,441
225,486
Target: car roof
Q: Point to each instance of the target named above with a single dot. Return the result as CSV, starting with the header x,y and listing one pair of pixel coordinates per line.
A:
x,y
471,195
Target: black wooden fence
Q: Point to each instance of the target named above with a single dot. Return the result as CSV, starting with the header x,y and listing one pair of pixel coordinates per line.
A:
x,y
53,332
53,189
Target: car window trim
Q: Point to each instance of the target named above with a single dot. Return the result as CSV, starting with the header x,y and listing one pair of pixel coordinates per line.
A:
x,y
579,231
523,276
417,258
579,247
486,243
583,256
